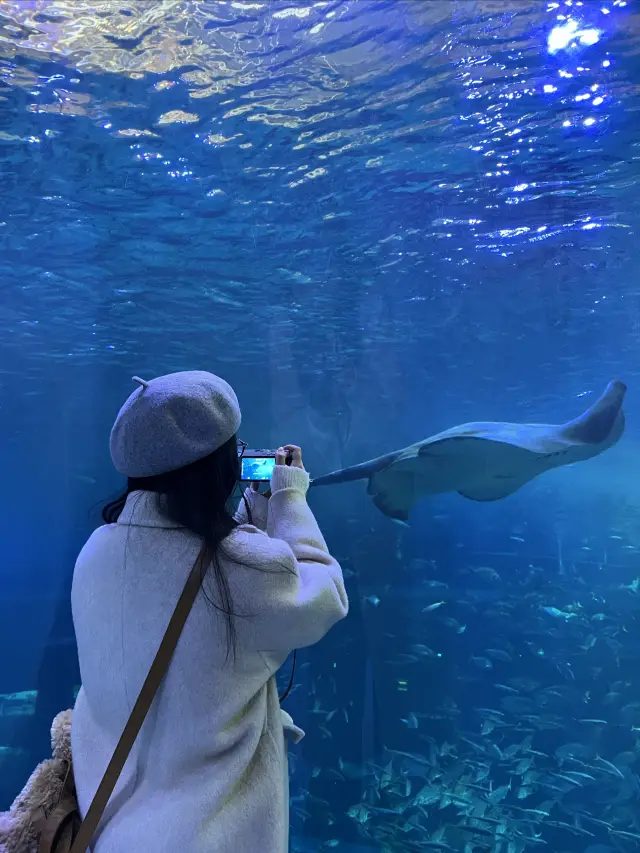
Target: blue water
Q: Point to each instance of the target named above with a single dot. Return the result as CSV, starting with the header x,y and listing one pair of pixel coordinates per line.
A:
x,y
376,220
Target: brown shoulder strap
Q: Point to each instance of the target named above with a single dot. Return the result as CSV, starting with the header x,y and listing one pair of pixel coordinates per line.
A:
x,y
140,709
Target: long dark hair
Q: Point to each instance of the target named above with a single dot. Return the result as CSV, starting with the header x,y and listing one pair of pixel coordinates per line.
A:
x,y
198,497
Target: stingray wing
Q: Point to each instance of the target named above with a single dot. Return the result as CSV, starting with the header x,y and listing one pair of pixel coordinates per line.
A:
x,y
602,423
494,489
503,457
598,428
478,468
396,488
531,438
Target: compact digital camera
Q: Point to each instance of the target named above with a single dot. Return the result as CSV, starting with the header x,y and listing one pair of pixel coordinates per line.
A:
x,y
257,465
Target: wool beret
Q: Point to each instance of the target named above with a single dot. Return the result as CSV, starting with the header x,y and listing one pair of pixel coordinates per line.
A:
x,y
173,421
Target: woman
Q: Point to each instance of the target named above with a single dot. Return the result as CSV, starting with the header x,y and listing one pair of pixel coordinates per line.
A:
x,y
208,772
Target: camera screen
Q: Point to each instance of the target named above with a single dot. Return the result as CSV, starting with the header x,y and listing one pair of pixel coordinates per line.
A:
x,y
257,468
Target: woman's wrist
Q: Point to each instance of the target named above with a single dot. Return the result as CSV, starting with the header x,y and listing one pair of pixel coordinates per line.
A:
x,y
289,477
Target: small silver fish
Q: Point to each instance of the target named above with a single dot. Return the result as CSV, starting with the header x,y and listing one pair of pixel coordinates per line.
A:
x,y
433,606
558,614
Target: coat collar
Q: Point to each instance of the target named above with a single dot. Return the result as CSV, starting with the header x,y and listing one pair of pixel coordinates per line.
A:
x,y
141,510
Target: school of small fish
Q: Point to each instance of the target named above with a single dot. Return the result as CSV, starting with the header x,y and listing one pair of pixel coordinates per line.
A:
x,y
529,734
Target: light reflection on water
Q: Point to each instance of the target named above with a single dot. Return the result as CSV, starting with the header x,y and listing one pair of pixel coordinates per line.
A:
x,y
450,141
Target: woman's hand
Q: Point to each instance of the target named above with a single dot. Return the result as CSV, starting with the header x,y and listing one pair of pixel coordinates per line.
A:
x,y
255,487
291,451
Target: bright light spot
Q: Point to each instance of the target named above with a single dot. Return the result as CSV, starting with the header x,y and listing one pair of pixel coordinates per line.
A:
x,y
568,33
597,101
582,97
606,63
177,117
550,88
589,36
292,13
589,121
566,124
513,232
605,11
520,188
560,37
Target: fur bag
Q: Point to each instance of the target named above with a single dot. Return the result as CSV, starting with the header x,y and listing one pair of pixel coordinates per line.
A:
x,y
44,816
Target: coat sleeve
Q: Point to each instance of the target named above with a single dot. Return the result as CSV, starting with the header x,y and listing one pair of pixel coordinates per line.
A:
x,y
289,591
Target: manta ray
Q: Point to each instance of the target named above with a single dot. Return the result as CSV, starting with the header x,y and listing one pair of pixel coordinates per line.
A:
x,y
485,461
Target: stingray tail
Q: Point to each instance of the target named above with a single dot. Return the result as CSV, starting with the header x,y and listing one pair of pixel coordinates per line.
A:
x,y
345,475
356,472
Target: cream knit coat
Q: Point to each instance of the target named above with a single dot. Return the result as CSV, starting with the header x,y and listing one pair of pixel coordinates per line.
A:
x,y
208,773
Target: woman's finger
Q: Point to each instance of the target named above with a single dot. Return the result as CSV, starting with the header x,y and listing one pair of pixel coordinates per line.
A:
x,y
295,454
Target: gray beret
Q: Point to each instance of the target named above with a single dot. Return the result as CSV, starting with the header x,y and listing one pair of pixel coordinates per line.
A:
x,y
172,421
